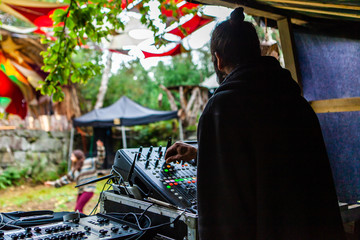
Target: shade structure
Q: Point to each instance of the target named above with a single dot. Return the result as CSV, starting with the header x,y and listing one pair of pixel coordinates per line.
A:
x,y
124,112
210,82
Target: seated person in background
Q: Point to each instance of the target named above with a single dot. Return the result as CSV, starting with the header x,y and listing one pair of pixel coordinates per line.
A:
x,y
82,171
263,170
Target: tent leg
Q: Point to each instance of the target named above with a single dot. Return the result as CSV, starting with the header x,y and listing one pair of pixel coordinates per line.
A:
x,y
181,133
123,133
71,147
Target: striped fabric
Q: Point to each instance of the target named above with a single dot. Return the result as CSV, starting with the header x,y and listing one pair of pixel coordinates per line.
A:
x,y
87,173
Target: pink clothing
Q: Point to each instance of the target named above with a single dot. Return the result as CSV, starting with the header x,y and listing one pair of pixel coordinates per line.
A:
x,y
82,199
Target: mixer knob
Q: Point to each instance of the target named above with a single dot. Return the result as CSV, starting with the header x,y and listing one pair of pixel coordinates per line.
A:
x,y
28,229
1,233
14,236
125,227
28,235
22,235
37,229
149,152
114,229
62,237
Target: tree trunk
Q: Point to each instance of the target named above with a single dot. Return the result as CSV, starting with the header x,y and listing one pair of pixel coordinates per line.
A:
x,y
104,82
170,97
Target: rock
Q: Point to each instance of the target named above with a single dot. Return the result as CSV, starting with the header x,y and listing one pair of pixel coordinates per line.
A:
x,y
22,147
58,134
20,157
7,159
46,145
15,142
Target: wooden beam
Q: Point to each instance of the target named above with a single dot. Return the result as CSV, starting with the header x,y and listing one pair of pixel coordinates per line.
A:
x,y
336,105
331,13
251,11
288,49
7,127
313,4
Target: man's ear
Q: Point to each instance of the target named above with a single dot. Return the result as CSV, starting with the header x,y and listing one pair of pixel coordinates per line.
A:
x,y
219,61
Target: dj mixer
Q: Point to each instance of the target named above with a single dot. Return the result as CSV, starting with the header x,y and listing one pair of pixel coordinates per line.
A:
x,y
91,228
173,183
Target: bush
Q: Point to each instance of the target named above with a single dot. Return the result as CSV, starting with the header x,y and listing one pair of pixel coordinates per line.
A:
x,y
36,172
12,176
155,134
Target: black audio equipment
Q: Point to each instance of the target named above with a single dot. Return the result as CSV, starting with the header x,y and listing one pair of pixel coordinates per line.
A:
x,y
94,227
173,183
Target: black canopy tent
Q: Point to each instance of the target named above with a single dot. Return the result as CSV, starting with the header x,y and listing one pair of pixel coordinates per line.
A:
x,y
123,112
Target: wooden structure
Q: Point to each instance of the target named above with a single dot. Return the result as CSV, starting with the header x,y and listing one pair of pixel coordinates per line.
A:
x,y
192,101
22,52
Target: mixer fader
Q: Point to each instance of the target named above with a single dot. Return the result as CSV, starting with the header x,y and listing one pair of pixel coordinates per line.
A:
x,y
174,183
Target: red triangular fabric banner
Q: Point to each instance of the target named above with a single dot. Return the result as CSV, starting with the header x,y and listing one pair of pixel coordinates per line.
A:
x,y
176,50
34,13
9,89
192,25
39,16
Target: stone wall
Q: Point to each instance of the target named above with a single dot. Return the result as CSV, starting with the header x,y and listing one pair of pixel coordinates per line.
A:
x,y
21,147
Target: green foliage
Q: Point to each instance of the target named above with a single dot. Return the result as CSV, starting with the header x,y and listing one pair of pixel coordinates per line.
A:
x,y
83,22
35,172
133,81
89,90
39,171
11,176
181,71
155,134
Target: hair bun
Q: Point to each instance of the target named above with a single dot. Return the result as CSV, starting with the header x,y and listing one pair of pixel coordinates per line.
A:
x,y
237,16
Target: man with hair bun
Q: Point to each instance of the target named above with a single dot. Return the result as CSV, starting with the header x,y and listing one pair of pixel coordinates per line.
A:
x,y
263,169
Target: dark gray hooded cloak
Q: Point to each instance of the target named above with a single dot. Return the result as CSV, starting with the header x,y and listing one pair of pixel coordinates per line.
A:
x,y
263,170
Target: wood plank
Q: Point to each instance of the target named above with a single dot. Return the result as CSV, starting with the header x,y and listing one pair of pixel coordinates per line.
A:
x,y
313,4
251,11
336,105
287,46
7,127
331,13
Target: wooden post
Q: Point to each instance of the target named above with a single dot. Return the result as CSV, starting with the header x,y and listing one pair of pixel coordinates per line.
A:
x,y
71,147
288,48
123,134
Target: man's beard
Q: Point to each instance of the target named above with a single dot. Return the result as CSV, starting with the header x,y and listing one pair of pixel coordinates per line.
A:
x,y
220,75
